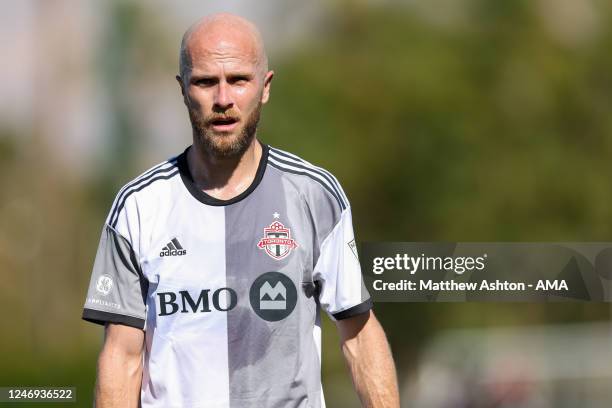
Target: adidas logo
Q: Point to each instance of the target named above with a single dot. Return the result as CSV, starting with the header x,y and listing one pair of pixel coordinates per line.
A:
x,y
173,248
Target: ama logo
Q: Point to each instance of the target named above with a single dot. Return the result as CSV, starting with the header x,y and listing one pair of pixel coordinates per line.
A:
x,y
273,296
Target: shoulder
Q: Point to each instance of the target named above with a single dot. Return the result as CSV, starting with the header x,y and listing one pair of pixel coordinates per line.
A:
x,y
149,181
314,182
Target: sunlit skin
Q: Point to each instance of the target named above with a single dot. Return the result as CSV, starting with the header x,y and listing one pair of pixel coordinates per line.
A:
x,y
224,81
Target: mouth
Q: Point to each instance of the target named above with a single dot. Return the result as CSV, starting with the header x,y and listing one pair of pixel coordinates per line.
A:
x,y
224,124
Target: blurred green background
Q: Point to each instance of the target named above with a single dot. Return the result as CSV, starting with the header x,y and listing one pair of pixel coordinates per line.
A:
x,y
452,120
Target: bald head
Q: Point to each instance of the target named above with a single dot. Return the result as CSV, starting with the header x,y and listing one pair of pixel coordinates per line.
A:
x,y
212,34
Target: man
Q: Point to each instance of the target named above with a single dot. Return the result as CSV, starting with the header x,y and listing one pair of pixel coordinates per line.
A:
x,y
214,263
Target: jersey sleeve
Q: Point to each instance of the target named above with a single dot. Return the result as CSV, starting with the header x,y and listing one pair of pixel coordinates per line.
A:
x,y
338,272
117,289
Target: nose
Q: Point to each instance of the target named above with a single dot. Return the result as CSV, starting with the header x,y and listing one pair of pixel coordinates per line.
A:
x,y
223,99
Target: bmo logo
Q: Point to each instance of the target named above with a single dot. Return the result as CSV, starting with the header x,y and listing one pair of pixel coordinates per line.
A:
x,y
272,295
222,299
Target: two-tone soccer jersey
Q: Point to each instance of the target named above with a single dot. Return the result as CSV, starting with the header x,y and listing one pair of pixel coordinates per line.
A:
x,y
228,292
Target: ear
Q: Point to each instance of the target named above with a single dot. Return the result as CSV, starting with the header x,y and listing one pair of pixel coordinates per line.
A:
x,y
182,85
265,96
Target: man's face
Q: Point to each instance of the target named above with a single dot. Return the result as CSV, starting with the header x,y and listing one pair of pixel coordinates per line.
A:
x,y
224,92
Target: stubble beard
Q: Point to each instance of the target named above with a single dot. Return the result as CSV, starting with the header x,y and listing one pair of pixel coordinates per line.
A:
x,y
224,145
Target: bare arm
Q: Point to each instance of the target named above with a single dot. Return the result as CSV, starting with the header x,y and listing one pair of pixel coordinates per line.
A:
x,y
369,359
120,367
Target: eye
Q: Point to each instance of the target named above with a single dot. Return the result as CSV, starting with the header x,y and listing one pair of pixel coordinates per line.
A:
x,y
238,80
205,81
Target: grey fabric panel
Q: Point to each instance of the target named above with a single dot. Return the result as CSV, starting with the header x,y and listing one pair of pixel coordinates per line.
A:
x,y
324,214
117,287
271,363
322,208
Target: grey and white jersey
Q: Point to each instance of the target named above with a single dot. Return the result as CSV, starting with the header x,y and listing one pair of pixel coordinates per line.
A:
x,y
229,292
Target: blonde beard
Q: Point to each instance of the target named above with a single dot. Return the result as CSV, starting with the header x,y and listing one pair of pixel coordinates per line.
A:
x,y
224,145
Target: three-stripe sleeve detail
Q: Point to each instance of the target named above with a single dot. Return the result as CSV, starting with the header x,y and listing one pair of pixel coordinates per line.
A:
x,y
330,177
285,162
163,171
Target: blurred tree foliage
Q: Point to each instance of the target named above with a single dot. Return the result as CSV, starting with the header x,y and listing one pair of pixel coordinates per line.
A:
x,y
491,130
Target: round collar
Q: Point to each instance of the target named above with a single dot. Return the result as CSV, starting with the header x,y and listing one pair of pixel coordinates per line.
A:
x,y
210,200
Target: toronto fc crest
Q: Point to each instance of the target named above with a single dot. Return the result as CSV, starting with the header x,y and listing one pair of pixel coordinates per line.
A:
x,y
277,240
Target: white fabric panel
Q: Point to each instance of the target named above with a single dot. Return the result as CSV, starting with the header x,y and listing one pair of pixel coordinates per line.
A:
x,y
338,269
186,353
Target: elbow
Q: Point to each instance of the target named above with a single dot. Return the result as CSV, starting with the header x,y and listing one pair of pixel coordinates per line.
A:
x,y
112,360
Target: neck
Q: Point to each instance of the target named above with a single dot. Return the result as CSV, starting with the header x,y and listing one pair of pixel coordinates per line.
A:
x,y
224,177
